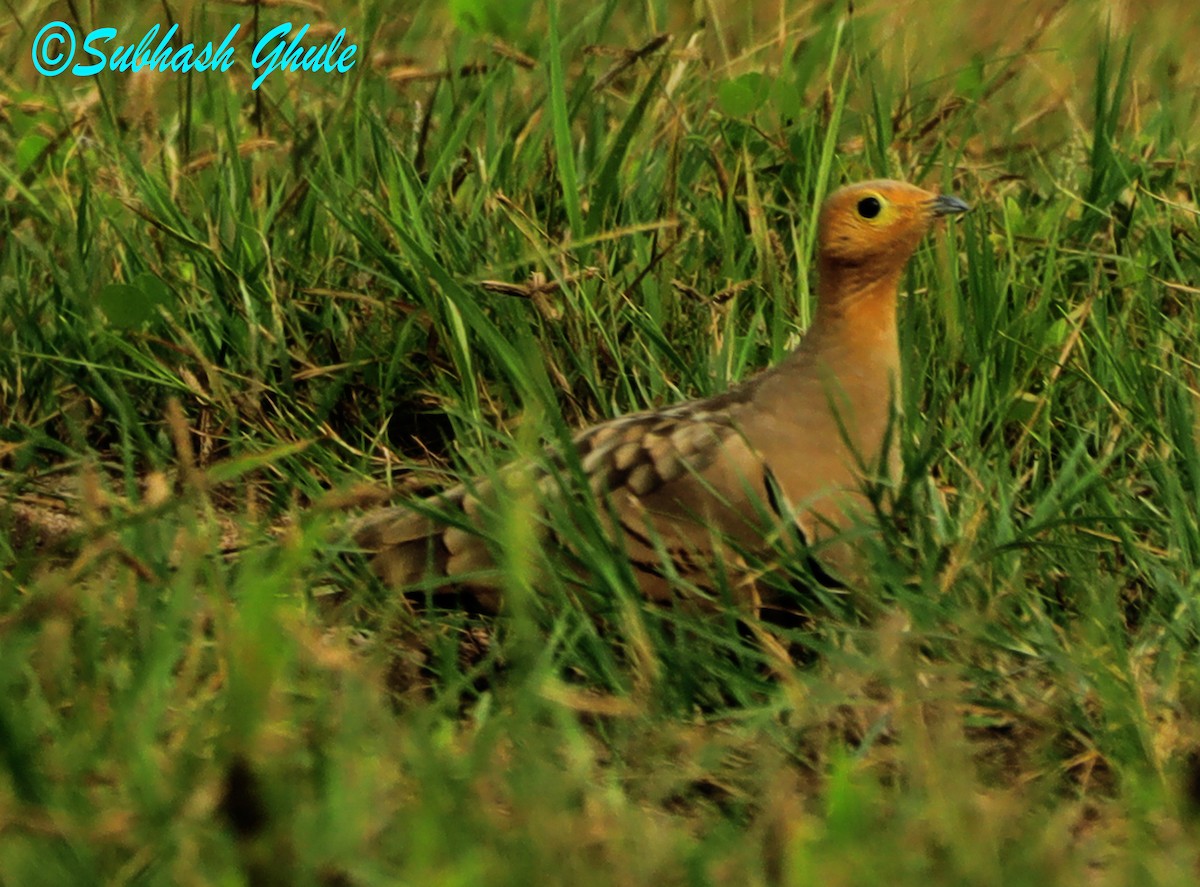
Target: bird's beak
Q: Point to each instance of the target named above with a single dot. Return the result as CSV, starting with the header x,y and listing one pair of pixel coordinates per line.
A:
x,y
947,205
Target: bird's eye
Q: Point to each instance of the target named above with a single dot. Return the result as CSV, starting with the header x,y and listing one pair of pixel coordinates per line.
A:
x,y
869,207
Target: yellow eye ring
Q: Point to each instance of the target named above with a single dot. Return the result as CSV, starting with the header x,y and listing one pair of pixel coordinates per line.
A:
x,y
869,207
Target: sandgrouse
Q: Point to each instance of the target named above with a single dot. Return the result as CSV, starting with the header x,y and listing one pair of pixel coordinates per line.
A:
x,y
701,479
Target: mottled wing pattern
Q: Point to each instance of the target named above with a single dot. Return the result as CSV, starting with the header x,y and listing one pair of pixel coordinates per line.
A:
x,y
643,452
632,459
682,482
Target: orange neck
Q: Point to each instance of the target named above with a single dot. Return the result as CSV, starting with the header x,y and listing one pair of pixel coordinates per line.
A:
x,y
856,312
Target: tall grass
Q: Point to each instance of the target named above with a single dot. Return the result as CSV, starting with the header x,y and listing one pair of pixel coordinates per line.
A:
x,y
221,310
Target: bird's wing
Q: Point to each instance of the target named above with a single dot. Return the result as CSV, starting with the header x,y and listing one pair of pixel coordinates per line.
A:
x,y
682,483
677,482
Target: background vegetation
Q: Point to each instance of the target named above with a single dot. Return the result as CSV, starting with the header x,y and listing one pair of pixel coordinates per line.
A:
x,y
223,309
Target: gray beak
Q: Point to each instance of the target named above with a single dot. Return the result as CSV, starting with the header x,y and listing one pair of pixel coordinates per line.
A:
x,y
947,205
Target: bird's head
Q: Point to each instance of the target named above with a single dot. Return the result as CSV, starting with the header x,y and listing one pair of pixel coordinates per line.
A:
x,y
871,229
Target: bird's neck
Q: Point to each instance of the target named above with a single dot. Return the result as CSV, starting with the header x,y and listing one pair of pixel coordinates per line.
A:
x,y
850,358
856,317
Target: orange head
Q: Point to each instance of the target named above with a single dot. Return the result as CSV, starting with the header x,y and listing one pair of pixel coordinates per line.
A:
x,y
869,230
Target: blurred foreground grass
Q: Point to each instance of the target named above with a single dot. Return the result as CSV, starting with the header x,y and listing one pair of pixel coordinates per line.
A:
x,y
198,687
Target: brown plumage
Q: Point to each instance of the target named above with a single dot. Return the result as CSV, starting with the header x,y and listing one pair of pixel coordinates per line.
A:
x,y
694,477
